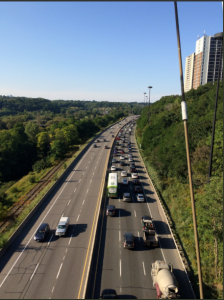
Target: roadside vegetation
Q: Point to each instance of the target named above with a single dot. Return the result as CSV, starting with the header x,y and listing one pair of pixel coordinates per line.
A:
x,y
162,145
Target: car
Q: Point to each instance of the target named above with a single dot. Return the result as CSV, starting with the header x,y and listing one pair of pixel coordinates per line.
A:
x,y
128,239
136,182
122,145
130,159
113,168
129,154
124,181
138,189
140,198
124,173
106,147
129,150
129,142
108,294
132,169
132,164
126,197
98,141
122,151
114,160
122,163
114,154
42,232
121,157
115,148
110,210
112,135
134,175
104,140
94,146
110,131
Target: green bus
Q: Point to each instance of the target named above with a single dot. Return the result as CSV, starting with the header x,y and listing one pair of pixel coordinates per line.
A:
x,y
112,185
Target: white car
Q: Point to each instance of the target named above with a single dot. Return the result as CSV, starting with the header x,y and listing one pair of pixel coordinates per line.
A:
x,y
121,157
113,168
130,155
123,173
140,198
134,175
125,181
130,159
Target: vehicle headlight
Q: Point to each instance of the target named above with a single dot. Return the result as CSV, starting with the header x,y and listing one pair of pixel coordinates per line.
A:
x,y
34,238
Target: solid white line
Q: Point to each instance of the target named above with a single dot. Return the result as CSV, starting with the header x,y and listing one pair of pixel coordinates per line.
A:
x,y
120,267
69,202
59,270
143,267
135,213
50,240
34,271
77,218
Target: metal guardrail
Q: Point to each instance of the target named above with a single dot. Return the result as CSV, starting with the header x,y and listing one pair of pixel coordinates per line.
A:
x,y
178,247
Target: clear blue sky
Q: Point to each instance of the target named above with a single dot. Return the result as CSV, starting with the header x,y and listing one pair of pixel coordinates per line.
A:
x,y
99,50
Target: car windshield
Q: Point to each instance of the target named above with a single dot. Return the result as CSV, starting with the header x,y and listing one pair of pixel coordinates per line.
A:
x,y
61,226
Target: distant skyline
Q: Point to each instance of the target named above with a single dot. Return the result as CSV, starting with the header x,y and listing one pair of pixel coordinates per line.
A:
x,y
103,51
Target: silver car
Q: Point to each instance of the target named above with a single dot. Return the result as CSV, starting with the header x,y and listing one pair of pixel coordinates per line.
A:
x,y
126,197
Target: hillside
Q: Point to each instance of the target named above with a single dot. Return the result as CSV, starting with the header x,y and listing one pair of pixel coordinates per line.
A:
x,y
162,143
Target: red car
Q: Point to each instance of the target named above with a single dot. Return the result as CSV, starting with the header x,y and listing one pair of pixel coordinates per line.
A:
x,y
122,151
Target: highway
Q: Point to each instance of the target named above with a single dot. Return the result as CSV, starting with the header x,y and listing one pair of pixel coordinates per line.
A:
x,y
128,271
58,267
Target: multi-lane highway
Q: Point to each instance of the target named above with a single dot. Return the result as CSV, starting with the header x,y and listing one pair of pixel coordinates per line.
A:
x,y
125,270
58,267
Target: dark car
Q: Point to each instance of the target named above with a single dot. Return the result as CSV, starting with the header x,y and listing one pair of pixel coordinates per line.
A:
x,y
106,147
42,232
132,164
138,189
132,169
128,240
98,141
136,181
112,135
122,163
110,210
94,146
104,140
108,294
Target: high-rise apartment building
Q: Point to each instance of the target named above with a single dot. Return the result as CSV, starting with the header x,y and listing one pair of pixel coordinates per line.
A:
x,y
204,66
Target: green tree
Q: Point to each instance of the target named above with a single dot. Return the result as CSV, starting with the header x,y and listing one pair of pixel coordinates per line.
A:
x,y
31,129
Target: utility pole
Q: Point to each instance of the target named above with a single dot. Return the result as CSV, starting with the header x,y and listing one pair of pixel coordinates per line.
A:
x,y
218,36
184,118
149,87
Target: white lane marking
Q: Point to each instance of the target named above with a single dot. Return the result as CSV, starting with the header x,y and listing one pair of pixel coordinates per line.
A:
x,y
79,180
77,218
69,202
59,270
119,236
83,201
143,268
88,162
135,213
52,289
50,240
90,180
64,257
120,267
66,250
87,191
138,236
70,240
93,174
83,173
75,190
34,271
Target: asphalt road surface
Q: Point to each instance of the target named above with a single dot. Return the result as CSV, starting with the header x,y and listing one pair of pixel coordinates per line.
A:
x,y
57,268
125,270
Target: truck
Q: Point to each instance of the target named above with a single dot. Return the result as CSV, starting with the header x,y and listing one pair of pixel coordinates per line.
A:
x,y
164,280
150,239
62,226
147,224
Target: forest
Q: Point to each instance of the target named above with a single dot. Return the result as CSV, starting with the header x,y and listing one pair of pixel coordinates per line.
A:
x,y
38,133
162,143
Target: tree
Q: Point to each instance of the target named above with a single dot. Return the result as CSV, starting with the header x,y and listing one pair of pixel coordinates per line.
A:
x,y
43,143
32,130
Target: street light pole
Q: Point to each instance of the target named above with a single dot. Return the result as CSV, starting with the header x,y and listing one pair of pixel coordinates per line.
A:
x,y
184,118
218,36
144,99
149,87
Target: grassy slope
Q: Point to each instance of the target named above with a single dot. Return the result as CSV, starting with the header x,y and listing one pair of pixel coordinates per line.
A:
x,y
163,145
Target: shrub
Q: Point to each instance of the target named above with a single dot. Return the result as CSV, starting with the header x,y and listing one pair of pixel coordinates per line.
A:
x,y
55,177
32,179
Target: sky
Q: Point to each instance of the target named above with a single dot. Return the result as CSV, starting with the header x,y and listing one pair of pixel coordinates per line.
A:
x,y
103,51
